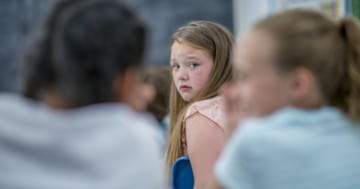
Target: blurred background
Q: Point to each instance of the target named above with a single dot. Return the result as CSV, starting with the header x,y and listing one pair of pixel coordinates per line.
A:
x,y
19,18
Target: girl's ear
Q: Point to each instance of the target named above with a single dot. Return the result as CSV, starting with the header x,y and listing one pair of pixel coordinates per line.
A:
x,y
124,85
305,90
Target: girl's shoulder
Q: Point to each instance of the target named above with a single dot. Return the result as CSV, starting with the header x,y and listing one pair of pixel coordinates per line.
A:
x,y
213,109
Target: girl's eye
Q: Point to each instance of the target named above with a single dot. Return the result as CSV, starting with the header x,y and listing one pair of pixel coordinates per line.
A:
x,y
194,65
175,66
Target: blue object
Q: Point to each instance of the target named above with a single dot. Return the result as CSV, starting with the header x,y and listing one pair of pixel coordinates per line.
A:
x,y
182,175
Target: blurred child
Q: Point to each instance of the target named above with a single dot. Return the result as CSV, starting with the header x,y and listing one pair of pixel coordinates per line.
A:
x,y
142,94
160,79
297,77
151,95
85,63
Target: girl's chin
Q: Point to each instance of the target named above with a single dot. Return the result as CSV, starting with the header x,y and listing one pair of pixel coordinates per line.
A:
x,y
186,98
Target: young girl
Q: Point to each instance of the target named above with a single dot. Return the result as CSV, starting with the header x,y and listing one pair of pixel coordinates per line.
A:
x,y
303,69
200,55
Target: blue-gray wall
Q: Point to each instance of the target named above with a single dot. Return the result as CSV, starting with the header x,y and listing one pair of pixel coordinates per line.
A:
x,y
18,18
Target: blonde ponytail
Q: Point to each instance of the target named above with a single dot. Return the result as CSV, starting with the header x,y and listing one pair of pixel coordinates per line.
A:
x,y
348,96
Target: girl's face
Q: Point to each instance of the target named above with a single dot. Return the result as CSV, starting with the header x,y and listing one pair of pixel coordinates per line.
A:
x,y
258,88
191,69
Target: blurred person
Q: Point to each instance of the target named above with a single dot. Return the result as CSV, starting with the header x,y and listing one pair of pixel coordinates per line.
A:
x,y
150,96
296,92
85,62
200,65
160,78
142,95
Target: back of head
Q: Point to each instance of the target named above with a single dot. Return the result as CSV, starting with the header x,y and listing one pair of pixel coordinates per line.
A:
x,y
329,49
84,46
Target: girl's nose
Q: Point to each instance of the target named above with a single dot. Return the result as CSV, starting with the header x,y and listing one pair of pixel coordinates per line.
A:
x,y
183,75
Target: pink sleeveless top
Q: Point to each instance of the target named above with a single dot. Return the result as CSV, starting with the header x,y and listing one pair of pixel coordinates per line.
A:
x,y
213,109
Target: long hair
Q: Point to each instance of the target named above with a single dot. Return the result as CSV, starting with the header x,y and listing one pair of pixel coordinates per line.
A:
x,y
329,49
217,41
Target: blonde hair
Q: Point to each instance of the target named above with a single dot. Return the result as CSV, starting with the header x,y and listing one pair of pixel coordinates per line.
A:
x,y
217,41
329,49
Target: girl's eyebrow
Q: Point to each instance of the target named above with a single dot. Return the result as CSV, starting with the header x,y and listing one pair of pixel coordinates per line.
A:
x,y
191,57
185,57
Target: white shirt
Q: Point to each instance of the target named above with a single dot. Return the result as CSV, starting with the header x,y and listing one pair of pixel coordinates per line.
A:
x,y
103,146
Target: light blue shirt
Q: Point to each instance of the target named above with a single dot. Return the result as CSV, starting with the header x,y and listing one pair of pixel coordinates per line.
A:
x,y
293,149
